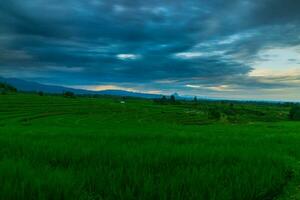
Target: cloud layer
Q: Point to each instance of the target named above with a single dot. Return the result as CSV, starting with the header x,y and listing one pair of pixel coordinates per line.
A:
x,y
206,48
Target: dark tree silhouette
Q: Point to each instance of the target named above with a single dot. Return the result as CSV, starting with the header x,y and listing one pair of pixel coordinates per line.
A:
x,y
172,99
295,113
195,99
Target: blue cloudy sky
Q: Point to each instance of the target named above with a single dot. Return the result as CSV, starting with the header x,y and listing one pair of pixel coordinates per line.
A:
x,y
240,49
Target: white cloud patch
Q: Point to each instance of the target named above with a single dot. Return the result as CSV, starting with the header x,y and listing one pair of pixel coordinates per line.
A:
x,y
198,54
221,88
189,55
127,56
103,87
193,86
236,37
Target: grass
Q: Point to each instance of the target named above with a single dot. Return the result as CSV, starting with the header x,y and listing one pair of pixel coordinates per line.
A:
x,y
84,148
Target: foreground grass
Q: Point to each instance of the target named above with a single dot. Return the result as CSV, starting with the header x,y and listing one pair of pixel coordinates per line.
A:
x,y
56,148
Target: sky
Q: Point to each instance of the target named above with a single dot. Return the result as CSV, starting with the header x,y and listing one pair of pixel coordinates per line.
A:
x,y
235,49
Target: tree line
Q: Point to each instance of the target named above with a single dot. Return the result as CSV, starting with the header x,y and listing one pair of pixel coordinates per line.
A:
x,y
6,88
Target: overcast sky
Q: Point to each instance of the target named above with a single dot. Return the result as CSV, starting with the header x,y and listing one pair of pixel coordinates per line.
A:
x,y
240,49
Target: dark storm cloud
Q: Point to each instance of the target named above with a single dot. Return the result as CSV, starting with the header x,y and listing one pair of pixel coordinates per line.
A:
x,y
78,42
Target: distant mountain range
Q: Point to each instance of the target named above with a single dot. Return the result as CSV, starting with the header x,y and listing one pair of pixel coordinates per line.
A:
x,y
29,86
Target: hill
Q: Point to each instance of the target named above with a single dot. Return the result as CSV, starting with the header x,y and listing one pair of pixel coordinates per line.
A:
x,y
30,86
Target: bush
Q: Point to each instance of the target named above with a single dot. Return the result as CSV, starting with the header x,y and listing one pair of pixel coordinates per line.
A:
x,y
295,113
69,94
41,93
214,114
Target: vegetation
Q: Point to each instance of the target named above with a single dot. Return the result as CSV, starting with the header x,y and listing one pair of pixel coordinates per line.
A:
x,y
172,99
295,113
68,94
6,88
195,99
164,100
53,147
41,93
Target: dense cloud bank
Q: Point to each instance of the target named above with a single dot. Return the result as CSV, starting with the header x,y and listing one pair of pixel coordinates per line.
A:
x,y
168,45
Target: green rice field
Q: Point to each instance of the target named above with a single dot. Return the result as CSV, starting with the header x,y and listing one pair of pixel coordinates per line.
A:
x,y
86,148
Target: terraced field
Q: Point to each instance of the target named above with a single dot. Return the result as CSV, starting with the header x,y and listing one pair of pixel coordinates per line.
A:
x,y
97,148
